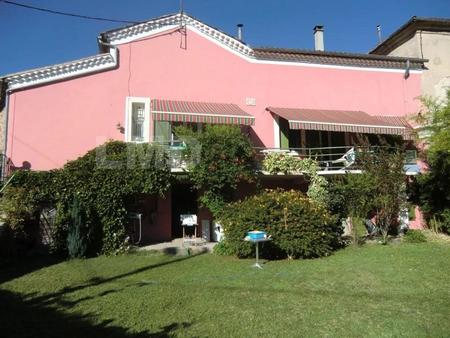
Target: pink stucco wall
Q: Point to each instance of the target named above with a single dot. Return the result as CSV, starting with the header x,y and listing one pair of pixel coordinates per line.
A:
x,y
51,124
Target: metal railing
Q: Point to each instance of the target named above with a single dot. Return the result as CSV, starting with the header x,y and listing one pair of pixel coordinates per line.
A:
x,y
325,156
329,158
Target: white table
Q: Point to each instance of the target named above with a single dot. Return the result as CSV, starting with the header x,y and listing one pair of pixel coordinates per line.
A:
x,y
256,242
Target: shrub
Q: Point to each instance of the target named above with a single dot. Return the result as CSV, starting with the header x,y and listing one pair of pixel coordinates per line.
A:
x,y
415,236
77,238
299,226
225,157
445,221
17,209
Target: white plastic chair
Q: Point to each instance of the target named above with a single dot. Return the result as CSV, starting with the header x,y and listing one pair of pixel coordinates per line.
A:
x,y
347,159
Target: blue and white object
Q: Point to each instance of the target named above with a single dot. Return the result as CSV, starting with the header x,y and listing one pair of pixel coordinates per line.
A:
x,y
255,235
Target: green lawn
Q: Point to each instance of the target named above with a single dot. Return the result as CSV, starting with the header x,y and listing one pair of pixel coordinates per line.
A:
x,y
373,291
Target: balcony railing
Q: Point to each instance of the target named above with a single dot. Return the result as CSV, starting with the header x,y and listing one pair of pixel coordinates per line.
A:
x,y
331,160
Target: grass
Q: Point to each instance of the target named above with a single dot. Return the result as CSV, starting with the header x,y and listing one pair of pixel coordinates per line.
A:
x,y
373,291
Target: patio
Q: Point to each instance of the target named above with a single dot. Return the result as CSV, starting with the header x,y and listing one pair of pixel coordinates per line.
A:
x,y
180,247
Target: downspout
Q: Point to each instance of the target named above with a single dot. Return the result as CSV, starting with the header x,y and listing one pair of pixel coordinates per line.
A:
x,y
5,131
5,121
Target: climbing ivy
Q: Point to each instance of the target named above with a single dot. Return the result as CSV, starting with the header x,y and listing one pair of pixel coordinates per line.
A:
x,y
102,180
284,163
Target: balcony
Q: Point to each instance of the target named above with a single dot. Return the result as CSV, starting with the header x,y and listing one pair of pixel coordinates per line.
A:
x,y
331,160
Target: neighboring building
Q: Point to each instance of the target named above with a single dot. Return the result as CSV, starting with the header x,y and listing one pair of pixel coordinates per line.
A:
x,y
426,38
175,69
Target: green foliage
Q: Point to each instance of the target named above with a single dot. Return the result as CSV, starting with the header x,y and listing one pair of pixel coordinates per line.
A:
x,y
299,226
379,189
17,209
221,157
280,162
77,238
351,195
103,179
430,190
223,249
440,222
415,236
22,200
435,121
20,206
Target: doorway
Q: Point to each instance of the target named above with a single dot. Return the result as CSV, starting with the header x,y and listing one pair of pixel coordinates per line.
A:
x,y
184,201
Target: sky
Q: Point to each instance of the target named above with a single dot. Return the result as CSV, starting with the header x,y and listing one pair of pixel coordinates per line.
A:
x,y
31,39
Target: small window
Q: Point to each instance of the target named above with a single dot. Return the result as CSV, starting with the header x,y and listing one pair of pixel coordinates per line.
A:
x,y
137,120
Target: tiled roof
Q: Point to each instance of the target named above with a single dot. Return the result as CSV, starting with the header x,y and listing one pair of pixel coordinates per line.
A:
x,y
109,60
61,71
137,31
335,58
406,31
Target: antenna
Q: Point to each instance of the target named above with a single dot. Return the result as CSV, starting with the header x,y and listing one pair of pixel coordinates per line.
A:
x,y
181,7
379,33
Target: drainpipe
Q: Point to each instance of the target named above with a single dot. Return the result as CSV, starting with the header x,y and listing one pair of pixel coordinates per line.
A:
x,y
5,131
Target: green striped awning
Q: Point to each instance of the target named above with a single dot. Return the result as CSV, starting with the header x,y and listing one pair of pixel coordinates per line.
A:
x,y
200,112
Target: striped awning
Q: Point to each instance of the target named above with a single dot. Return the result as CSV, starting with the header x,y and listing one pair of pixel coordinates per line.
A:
x,y
398,121
342,121
199,112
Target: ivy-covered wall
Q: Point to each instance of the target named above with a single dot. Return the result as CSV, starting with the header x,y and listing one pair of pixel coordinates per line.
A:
x,y
104,180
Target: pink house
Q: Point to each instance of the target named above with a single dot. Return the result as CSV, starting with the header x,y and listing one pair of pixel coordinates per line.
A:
x,y
175,68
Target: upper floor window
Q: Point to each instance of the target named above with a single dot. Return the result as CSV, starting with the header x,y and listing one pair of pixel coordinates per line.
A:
x,y
137,119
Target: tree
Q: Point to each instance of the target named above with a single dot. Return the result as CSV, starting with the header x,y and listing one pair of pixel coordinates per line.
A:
x,y
78,236
379,189
224,158
385,168
430,190
435,121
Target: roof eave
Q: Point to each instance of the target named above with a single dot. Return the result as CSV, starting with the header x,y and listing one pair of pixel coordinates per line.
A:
x,y
407,30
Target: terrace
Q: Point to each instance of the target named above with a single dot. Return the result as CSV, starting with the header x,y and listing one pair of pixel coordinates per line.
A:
x,y
331,160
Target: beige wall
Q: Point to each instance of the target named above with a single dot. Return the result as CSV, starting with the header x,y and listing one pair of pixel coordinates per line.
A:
x,y
434,46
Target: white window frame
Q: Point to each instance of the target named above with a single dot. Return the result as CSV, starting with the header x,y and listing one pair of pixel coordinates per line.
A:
x,y
276,132
128,111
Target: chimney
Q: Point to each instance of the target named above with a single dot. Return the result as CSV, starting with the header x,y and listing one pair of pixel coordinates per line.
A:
x,y
239,31
379,33
318,38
